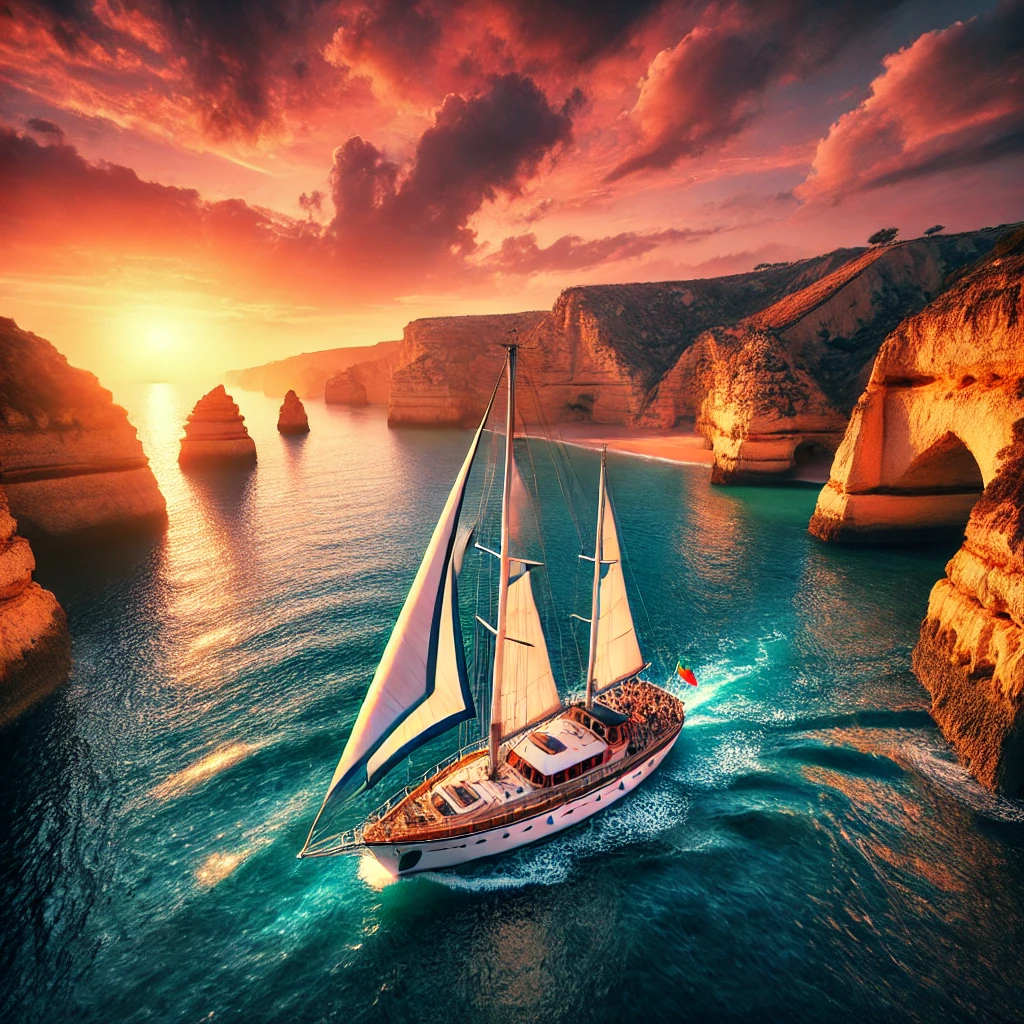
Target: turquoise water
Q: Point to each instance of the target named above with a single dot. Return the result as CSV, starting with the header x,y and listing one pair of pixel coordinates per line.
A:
x,y
808,850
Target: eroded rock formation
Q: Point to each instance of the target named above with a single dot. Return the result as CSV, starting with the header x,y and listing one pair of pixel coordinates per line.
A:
x,y
970,655
35,648
767,365
366,383
70,461
292,418
939,407
943,416
784,380
215,432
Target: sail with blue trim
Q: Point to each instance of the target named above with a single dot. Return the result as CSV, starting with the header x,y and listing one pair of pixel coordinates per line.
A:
x,y
421,687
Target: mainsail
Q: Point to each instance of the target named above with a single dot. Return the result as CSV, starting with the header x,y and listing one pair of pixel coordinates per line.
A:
x,y
528,691
618,650
421,686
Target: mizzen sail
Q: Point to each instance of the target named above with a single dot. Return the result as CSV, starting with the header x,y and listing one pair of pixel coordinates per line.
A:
x,y
528,691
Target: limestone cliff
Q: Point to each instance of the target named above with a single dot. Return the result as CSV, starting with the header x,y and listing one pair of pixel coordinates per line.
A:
x,y
970,655
594,357
366,383
215,432
943,416
35,648
292,418
70,461
307,374
783,380
765,363
939,407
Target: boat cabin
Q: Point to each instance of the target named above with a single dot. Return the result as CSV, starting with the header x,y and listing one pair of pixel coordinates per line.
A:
x,y
570,745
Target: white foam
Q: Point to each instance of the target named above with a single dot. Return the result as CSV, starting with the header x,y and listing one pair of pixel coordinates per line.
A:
x,y
939,765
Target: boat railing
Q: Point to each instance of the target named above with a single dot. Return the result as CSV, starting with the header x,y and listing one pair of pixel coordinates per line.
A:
x,y
351,840
547,798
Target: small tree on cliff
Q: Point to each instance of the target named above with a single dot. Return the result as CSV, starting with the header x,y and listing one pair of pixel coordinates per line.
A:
x,y
884,236
935,229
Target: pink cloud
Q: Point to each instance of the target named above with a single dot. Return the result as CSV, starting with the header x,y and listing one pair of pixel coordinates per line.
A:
x,y
954,98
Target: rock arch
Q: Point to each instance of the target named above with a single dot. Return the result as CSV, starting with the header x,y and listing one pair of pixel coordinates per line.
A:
x,y
943,414
916,456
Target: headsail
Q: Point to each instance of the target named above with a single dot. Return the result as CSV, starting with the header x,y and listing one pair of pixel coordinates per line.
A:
x,y
618,650
421,687
528,691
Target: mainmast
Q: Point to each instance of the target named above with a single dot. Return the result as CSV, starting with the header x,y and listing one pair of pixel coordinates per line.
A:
x,y
595,600
504,571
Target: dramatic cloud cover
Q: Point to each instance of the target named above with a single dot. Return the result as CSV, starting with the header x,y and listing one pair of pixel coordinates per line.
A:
x,y
292,169
954,98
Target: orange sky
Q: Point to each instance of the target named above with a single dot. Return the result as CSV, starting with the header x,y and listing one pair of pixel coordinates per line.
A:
x,y
469,157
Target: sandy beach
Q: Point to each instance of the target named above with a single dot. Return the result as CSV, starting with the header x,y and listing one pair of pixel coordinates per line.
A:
x,y
665,445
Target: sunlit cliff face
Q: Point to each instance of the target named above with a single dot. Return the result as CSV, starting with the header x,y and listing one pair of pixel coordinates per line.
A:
x,y
186,187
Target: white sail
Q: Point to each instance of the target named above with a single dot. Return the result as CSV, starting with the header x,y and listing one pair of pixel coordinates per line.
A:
x,y
528,691
421,687
618,650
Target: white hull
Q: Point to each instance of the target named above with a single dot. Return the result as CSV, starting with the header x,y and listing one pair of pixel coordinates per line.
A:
x,y
438,854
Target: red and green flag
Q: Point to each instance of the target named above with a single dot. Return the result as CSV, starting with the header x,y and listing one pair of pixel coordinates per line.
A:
x,y
686,673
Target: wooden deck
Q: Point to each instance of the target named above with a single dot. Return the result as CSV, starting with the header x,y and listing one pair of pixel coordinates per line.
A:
x,y
415,819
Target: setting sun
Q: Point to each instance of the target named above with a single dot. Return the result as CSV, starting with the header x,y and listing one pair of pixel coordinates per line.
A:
x,y
160,339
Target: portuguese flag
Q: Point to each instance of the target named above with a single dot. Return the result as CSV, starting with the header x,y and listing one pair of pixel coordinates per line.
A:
x,y
685,673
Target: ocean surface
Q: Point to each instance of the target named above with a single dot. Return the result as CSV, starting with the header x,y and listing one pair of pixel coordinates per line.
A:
x,y
809,851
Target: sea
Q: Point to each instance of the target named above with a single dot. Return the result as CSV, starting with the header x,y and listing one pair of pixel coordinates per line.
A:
x,y
810,850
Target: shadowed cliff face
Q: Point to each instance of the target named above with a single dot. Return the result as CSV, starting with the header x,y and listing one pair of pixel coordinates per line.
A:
x,y
70,461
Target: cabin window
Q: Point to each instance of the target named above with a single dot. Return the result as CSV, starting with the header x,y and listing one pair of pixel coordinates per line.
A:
x,y
613,734
558,778
441,805
464,794
598,728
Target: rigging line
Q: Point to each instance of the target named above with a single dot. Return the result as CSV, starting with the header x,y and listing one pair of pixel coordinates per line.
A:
x,y
545,427
531,383
549,596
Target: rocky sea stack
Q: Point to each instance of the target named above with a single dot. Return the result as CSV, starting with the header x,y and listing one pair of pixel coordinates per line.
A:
x,y
70,461
292,418
35,648
215,432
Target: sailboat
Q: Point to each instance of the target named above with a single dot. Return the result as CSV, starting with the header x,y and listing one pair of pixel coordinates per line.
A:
x,y
545,765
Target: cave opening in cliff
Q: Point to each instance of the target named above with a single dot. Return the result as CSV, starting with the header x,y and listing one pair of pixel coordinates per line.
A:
x,y
946,467
812,462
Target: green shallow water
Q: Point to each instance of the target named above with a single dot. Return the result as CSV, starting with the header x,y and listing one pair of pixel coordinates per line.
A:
x,y
809,849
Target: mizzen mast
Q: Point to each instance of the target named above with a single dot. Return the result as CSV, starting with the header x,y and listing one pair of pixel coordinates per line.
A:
x,y
504,571
595,600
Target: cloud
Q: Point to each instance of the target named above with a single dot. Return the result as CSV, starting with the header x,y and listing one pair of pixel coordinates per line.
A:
x,y
954,98
393,227
520,254
711,84
44,127
476,148
209,68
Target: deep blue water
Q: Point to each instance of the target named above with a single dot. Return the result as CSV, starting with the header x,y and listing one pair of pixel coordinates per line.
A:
x,y
809,850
